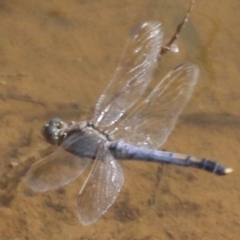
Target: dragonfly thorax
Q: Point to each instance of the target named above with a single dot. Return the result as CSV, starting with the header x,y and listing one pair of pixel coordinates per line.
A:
x,y
83,139
57,130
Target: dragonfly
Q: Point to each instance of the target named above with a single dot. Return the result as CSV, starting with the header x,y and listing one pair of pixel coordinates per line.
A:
x,y
124,126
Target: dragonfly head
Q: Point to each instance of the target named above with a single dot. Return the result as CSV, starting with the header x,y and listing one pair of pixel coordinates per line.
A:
x,y
54,131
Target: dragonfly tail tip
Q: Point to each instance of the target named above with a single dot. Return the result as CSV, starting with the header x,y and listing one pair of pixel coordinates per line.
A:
x,y
228,170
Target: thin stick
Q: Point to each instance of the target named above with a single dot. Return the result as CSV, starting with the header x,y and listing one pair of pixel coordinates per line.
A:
x,y
167,47
24,98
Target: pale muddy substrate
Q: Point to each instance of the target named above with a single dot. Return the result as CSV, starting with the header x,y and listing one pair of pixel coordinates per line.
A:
x,y
55,59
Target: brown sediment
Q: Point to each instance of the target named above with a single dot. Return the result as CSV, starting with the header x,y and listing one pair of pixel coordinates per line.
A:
x,y
70,51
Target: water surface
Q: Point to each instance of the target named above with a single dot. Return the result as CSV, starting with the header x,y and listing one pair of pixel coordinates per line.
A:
x,y
56,57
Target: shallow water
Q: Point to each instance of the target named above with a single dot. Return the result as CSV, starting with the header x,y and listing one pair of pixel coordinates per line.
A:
x,y
56,57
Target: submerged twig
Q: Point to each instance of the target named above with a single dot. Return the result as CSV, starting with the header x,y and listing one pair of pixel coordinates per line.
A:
x,y
167,47
24,98
11,75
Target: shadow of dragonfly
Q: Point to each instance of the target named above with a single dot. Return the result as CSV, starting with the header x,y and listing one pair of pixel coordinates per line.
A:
x,y
139,127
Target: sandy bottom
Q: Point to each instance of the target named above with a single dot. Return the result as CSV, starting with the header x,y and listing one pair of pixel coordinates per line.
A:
x,y
56,57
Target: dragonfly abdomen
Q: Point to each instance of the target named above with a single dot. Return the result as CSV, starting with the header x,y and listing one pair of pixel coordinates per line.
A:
x,y
122,150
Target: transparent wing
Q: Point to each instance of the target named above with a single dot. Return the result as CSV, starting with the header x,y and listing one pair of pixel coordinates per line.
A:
x,y
58,169
100,189
132,75
150,124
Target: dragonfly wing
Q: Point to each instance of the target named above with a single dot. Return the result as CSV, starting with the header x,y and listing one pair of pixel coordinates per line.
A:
x,y
101,187
150,124
132,75
58,169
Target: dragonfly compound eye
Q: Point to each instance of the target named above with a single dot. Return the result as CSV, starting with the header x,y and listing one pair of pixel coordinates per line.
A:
x,y
53,131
